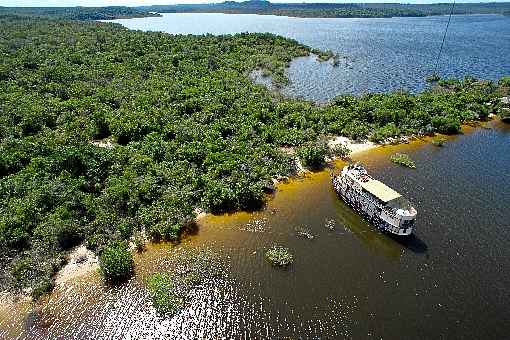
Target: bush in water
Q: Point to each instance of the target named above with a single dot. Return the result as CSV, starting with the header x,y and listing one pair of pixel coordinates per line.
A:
x,y
116,262
161,291
403,159
279,256
438,141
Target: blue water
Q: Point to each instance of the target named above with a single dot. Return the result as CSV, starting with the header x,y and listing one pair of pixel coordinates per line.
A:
x,y
379,55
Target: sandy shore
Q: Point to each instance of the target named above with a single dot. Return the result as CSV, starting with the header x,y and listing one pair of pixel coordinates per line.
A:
x,y
353,146
81,261
200,214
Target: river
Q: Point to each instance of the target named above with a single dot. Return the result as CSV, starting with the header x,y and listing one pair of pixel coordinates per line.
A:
x,y
378,55
449,281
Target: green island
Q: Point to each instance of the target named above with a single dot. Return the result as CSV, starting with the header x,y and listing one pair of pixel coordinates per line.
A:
x,y
107,134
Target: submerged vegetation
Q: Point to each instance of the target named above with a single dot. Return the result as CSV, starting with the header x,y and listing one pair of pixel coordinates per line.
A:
x,y
279,256
169,291
403,159
107,132
161,291
304,232
438,141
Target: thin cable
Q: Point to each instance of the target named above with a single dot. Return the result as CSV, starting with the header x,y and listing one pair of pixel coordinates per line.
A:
x,y
444,38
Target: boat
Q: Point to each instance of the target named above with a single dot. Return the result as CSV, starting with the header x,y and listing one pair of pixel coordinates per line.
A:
x,y
382,206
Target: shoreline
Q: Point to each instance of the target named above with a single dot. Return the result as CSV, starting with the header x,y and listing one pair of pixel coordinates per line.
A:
x,y
82,261
160,15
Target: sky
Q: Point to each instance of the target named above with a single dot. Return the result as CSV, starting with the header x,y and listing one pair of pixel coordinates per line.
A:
x,y
52,3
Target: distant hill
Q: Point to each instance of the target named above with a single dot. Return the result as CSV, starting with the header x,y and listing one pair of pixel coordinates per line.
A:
x,y
263,7
333,10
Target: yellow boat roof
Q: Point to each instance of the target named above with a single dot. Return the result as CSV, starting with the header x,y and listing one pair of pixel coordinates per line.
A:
x,y
380,190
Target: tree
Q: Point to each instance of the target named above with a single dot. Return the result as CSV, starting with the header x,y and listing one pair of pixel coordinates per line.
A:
x,y
313,155
116,262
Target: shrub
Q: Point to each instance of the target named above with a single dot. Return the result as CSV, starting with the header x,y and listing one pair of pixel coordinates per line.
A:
x,y
20,270
324,55
504,81
35,272
43,286
161,291
125,229
116,262
341,151
165,230
403,159
312,155
449,83
279,256
381,134
356,130
139,241
448,124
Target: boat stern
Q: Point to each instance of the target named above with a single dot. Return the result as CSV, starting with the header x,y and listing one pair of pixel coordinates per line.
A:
x,y
407,220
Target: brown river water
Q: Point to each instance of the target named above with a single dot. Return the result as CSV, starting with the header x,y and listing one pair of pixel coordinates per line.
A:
x,y
449,281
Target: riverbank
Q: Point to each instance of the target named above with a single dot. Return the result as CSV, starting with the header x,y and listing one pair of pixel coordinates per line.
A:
x,y
428,274
82,261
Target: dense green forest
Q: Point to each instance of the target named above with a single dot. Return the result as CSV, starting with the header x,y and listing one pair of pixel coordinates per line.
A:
x,y
446,7
333,10
308,10
76,13
181,126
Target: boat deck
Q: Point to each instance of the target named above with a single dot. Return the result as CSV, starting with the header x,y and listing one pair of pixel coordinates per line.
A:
x,y
379,190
